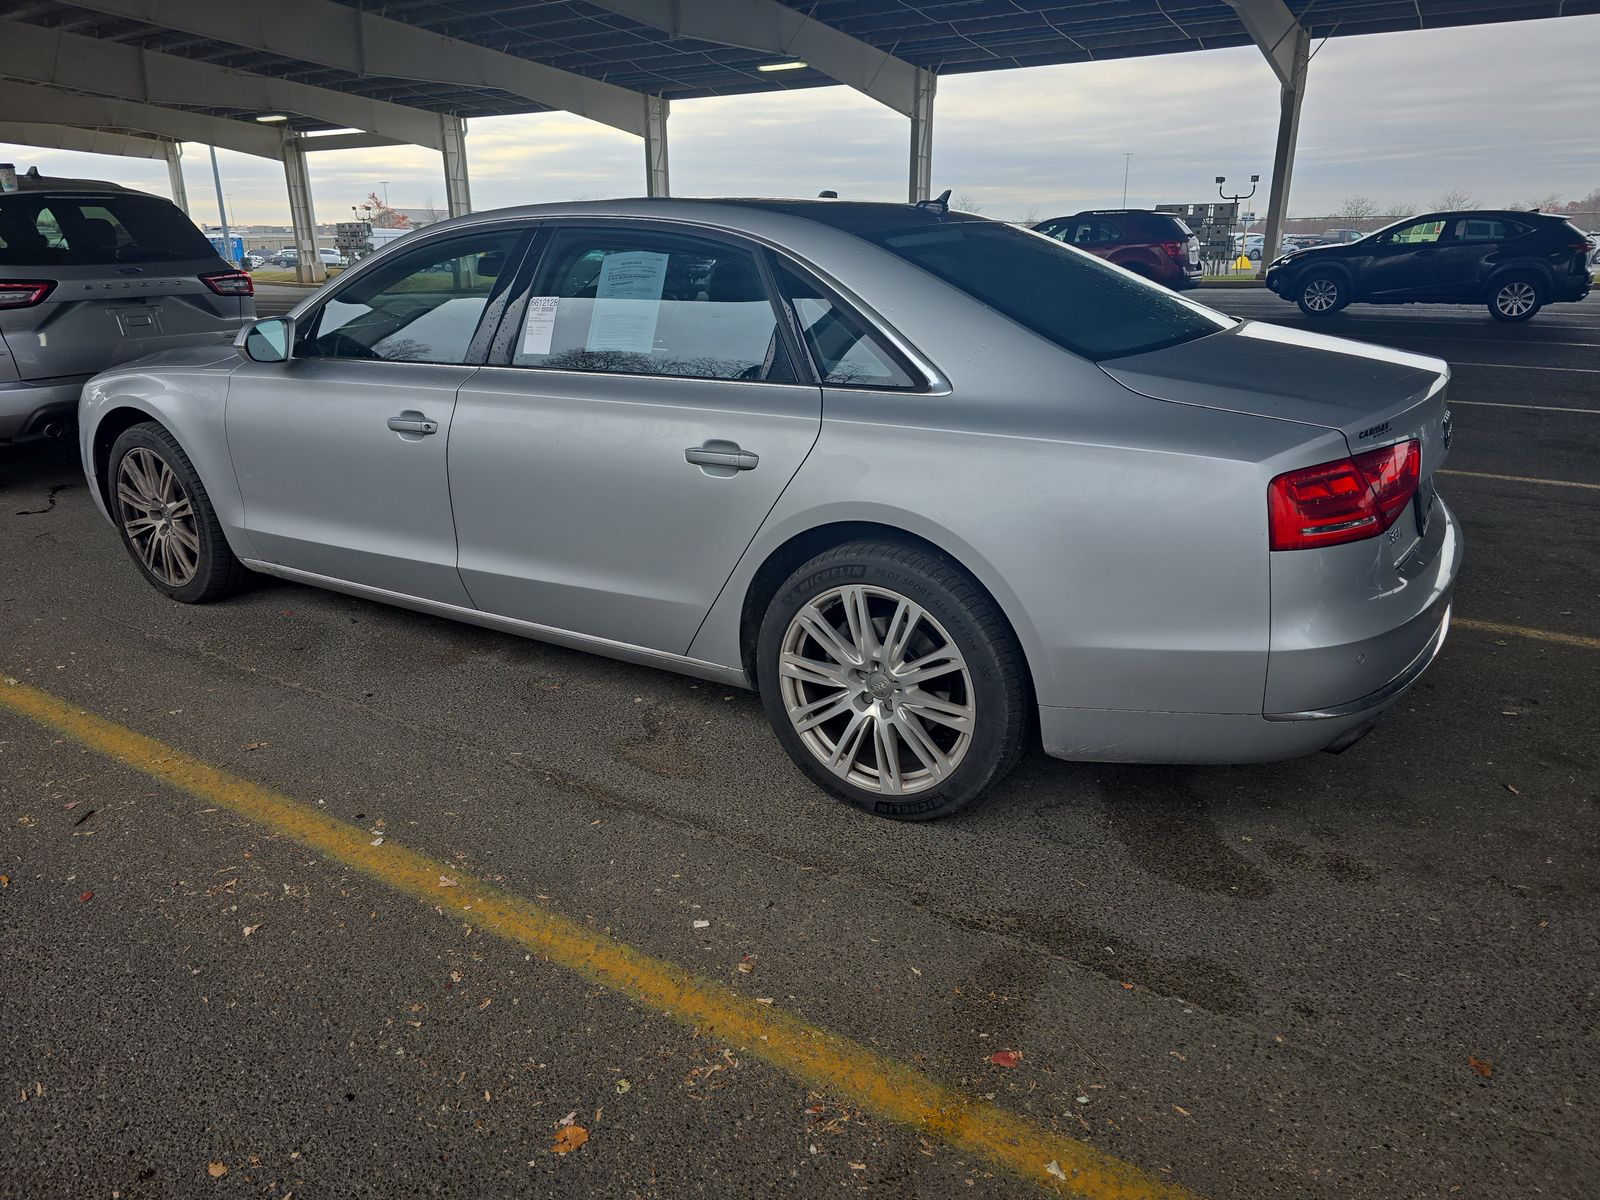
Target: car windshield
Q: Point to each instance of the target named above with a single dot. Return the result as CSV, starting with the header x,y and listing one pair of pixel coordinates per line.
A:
x,y
1077,301
41,230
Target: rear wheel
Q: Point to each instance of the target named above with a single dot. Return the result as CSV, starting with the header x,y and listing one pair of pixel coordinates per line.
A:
x,y
1515,298
1321,294
166,519
892,680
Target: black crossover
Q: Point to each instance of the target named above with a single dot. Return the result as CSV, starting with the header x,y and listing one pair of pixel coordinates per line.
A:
x,y
1515,262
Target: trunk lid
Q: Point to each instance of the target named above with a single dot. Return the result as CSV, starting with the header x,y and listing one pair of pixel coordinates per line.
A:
x,y
1373,395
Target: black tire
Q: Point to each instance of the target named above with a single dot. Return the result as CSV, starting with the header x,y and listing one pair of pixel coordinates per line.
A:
x,y
1516,297
216,571
994,680
1321,293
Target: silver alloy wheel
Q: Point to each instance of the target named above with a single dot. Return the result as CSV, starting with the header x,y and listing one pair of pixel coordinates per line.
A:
x,y
877,689
1515,298
158,516
1321,295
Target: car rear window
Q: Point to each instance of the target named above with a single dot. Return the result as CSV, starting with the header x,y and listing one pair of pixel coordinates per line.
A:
x,y
41,230
1073,299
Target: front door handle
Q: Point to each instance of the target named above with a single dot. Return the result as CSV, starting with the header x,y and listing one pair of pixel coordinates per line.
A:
x,y
722,454
413,423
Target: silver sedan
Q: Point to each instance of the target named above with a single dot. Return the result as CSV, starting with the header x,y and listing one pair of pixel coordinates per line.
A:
x,y
934,485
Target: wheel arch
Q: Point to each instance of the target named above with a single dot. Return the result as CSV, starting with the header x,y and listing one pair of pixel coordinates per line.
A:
x,y
785,558
1524,266
122,416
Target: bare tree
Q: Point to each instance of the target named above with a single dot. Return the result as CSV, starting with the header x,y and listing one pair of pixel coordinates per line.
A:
x,y
1356,209
966,202
1551,203
1456,198
1402,208
429,214
1030,215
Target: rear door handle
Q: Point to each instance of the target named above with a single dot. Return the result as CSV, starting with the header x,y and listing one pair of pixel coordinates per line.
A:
x,y
417,424
707,456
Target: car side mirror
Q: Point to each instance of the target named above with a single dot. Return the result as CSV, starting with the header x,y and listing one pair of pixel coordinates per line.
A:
x,y
268,340
491,264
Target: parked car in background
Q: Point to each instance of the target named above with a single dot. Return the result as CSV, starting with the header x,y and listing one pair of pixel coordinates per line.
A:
x,y
1249,244
923,479
1594,249
1155,245
253,259
93,274
331,257
1515,262
287,257
1341,235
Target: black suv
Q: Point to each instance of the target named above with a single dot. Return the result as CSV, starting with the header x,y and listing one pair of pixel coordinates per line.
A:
x,y
1515,262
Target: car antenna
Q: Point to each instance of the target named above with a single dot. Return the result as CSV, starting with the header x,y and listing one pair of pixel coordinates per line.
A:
x,y
939,204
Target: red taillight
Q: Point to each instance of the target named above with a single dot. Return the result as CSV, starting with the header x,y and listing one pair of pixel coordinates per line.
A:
x,y
230,283
1177,251
24,294
1343,501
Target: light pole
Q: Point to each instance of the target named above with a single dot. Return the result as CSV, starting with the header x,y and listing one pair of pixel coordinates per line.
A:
x,y
1254,179
1127,156
222,213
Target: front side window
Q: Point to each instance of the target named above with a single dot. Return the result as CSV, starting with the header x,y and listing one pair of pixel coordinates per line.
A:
x,y
1420,234
41,230
1075,300
645,303
845,353
422,307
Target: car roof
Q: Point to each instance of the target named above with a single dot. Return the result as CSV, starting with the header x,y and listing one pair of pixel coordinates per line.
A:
x,y
31,181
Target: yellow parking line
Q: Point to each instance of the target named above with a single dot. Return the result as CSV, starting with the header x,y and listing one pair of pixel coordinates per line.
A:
x,y
1522,631
1591,487
811,1054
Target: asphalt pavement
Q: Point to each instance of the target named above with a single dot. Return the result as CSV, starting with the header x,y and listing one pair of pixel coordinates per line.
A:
x,y
1370,975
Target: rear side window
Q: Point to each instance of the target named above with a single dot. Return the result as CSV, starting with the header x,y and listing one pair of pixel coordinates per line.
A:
x,y
40,230
1483,229
845,353
1073,299
643,303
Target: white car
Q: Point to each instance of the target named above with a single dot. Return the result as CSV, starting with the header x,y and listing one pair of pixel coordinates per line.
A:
x,y
331,257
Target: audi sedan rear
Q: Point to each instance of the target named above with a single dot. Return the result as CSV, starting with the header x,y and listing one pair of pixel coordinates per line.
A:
x,y
933,485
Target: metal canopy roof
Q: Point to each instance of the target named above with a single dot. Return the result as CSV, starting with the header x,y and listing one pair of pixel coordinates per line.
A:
x,y
946,36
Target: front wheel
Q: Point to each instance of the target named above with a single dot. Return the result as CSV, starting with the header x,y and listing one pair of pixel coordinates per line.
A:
x,y
892,680
166,519
1321,294
1515,298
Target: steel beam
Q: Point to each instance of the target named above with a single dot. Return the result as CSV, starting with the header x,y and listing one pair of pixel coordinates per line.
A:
x,y
26,102
656,182
70,60
46,134
922,137
783,32
302,217
345,141
457,193
1290,99
174,155
363,43
1286,45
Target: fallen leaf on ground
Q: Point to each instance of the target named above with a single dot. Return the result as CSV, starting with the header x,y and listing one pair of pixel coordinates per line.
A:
x,y
70,805
446,881
1180,1110
569,1138
1486,1069
855,1166
568,1119
249,929
1054,1168
217,1169
5,881
1006,1058
623,1086
85,897
1512,788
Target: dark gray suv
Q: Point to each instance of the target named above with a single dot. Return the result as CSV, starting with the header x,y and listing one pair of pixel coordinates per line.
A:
x,y
92,275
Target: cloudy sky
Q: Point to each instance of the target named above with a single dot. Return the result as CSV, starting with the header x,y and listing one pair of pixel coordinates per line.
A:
x,y
1509,113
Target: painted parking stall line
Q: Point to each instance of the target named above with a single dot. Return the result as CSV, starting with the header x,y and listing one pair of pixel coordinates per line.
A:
x,y
1565,483
809,1053
1523,631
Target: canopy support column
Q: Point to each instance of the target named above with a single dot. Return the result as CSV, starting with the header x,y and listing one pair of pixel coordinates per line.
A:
x,y
308,264
453,145
174,155
1291,96
921,183
656,110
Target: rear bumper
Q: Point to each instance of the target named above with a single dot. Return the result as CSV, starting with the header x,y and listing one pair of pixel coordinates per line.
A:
x,y
1101,735
1573,288
29,407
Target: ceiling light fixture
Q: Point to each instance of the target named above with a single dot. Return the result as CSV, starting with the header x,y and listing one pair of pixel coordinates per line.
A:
x,y
272,118
795,65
